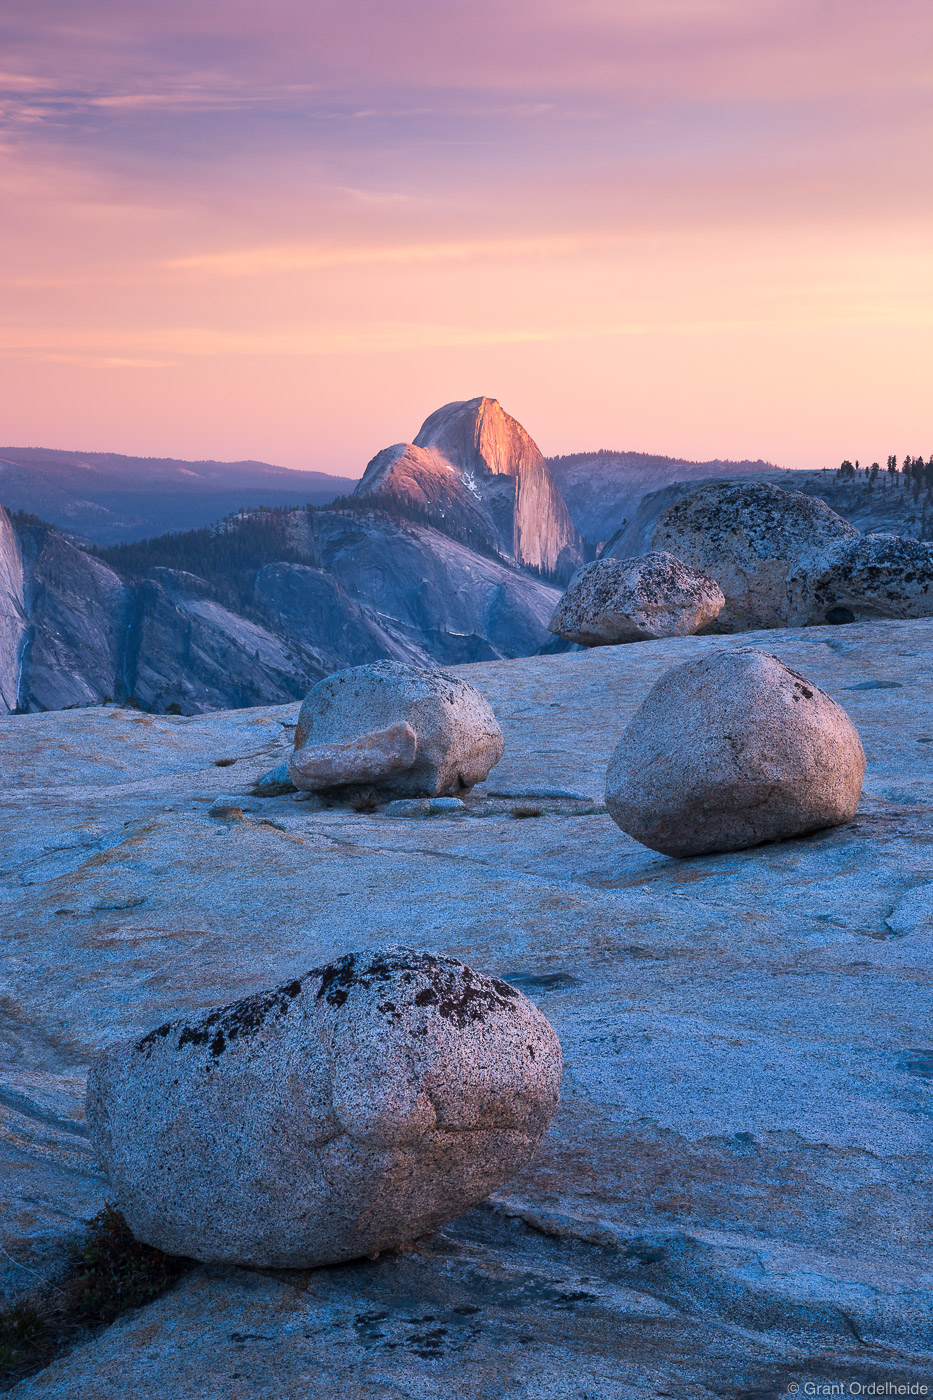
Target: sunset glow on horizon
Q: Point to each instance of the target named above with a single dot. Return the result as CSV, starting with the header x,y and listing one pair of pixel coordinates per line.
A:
x,y
289,231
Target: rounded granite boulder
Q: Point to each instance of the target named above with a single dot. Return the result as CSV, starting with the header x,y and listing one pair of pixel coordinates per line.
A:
x,y
405,730
866,578
633,600
750,537
349,1111
730,751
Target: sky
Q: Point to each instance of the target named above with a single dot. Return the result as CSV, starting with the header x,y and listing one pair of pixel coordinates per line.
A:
x,y
290,230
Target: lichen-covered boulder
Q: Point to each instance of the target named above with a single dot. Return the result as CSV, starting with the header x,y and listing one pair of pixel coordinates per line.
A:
x,y
633,600
749,537
871,576
730,751
405,730
347,1112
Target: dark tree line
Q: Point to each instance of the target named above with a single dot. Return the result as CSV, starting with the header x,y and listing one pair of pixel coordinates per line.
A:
x,y
399,510
226,555
913,473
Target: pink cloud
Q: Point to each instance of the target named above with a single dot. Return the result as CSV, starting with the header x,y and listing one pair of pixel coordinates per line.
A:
x,y
424,196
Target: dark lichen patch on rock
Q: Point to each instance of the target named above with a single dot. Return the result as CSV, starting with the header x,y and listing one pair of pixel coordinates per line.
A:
x,y
337,979
461,1005
453,990
226,1023
159,1033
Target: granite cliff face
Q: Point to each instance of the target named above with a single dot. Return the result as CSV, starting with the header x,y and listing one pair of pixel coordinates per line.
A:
x,y
79,612
473,460
12,624
340,590
432,593
426,478
186,648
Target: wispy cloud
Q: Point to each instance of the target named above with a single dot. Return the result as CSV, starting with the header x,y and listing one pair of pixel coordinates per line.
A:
x,y
25,82
161,347
261,262
91,361
195,192
179,100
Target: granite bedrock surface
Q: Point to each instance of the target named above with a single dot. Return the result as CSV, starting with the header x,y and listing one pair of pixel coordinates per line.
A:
x,y
736,1193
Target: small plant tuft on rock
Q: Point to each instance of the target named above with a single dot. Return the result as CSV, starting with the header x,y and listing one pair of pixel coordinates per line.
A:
x,y
113,1271
108,1271
365,800
23,1330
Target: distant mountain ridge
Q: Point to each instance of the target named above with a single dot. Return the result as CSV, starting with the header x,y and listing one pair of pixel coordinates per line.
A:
x,y
107,497
472,466
430,559
427,561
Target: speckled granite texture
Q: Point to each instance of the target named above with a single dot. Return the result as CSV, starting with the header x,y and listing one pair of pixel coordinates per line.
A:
x,y
735,1193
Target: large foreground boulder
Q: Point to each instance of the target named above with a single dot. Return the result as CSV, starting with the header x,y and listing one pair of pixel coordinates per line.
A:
x,y
871,576
731,751
349,1111
408,731
634,600
750,538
